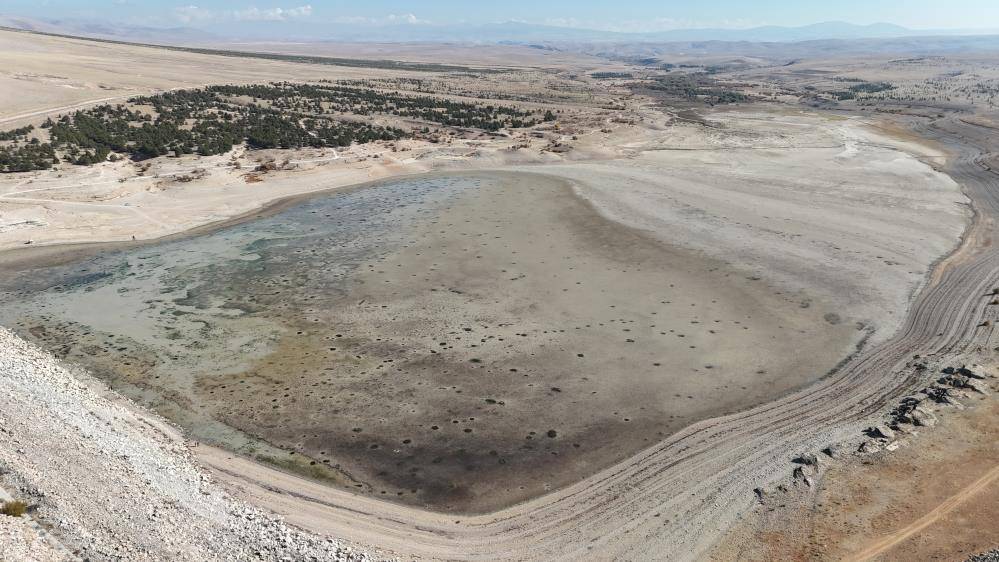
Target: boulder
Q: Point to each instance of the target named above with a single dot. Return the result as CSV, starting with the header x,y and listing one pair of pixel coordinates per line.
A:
x,y
978,386
880,431
955,380
801,472
808,459
923,418
868,447
903,412
973,371
963,382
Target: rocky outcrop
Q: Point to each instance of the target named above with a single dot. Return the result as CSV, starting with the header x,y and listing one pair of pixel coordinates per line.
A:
x,y
954,384
990,556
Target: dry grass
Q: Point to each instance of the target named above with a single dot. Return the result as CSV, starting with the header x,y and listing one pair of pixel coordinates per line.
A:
x,y
14,508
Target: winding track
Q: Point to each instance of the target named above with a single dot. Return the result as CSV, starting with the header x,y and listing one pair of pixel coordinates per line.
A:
x,y
673,500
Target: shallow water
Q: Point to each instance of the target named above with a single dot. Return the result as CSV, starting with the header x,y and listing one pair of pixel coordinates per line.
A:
x,y
157,320
461,343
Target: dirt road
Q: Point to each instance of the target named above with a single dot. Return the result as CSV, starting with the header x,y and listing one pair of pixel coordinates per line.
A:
x,y
886,543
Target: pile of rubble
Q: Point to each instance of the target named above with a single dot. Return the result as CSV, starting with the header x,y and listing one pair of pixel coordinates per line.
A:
x,y
952,388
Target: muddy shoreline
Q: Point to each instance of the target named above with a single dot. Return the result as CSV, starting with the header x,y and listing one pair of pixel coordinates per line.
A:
x,y
571,379
30,256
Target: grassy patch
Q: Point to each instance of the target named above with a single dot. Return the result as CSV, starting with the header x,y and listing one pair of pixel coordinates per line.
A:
x,y
14,508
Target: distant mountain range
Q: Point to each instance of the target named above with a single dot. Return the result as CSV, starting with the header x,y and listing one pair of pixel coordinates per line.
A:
x,y
122,32
507,32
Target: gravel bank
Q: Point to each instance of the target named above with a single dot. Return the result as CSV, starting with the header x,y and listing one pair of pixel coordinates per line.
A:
x,y
114,484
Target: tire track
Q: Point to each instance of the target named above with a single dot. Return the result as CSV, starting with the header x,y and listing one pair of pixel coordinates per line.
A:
x,y
888,542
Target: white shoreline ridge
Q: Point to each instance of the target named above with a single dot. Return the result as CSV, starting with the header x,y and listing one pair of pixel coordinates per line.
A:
x,y
114,483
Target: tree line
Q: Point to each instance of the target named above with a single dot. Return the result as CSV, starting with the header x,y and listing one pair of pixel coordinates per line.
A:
x,y
212,120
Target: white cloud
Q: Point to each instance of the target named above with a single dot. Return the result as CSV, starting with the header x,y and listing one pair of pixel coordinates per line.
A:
x,y
405,18
272,14
562,22
391,19
192,14
652,24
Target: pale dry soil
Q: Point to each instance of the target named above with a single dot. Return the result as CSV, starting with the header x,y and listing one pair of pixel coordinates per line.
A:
x,y
535,330
507,341
811,233
833,210
933,498
532,342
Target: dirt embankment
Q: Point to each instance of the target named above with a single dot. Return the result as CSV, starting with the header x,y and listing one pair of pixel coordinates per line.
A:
x,y
105,482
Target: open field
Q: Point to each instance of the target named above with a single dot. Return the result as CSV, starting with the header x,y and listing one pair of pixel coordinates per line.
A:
x,y
592,337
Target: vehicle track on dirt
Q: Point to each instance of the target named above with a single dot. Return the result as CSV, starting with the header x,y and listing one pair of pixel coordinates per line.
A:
x,y
673,500
888,542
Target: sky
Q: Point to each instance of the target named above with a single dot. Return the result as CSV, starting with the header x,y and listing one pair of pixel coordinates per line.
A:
x,y
623,15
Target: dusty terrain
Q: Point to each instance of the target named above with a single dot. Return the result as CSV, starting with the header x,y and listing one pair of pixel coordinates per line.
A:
x,y
654,507
803,234
91,441
544,364
926,497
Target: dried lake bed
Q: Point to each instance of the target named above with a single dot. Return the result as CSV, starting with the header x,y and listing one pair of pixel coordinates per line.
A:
x,y
461,342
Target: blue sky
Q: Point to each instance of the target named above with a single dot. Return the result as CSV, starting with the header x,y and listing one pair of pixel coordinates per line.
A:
x,y
623,15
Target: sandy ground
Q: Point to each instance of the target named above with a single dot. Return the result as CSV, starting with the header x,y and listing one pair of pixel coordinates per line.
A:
x,y
830,211
46,73
501,56
927,499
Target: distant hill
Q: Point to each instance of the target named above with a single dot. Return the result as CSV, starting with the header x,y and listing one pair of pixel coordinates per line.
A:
x,y
773,33
511,32
121,32
520,32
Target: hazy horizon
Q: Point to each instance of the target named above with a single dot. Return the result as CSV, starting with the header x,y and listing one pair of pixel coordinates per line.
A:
x,y
637,16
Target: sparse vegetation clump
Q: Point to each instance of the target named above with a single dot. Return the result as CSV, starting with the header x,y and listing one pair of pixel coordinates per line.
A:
x,y
213,120
871,87
15,508
695,86
15,134
611,75
27,157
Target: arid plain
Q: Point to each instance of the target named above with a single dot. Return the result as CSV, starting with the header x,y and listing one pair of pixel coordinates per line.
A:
x,y
459,335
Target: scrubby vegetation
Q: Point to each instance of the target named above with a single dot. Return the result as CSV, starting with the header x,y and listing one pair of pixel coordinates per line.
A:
x,y
331,97
611,75
15,134
871,87
697,86
27,157
843,95
860,89
14,508
212,120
